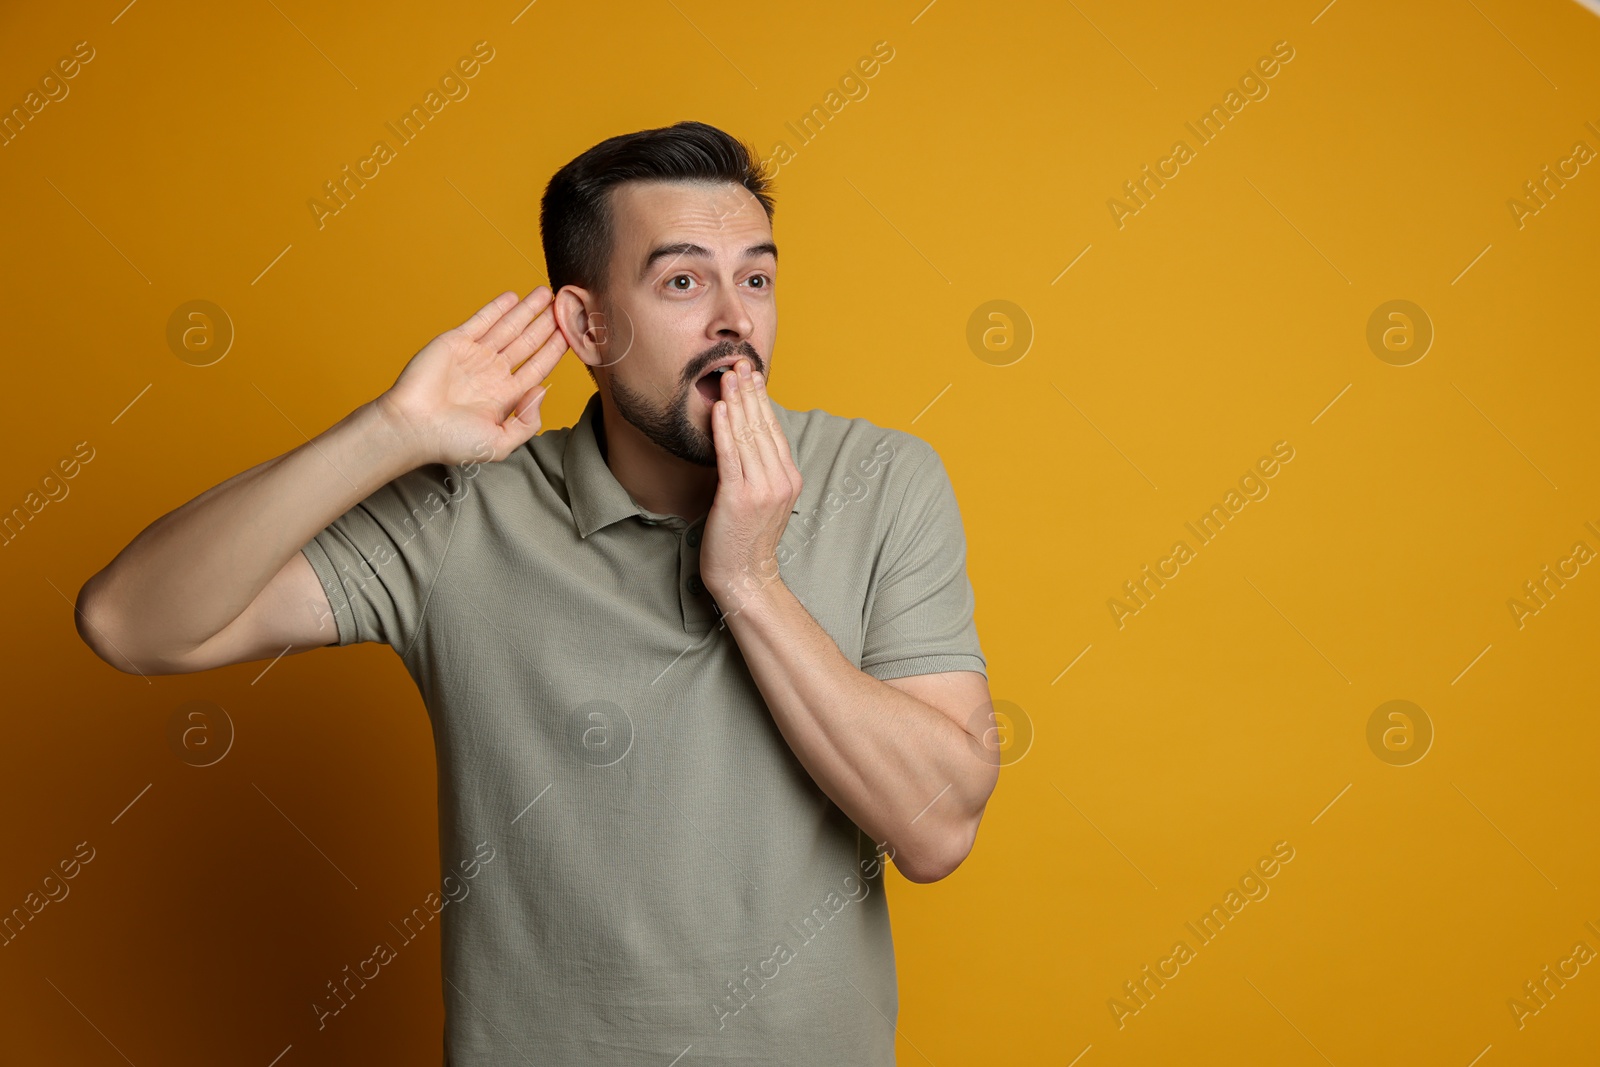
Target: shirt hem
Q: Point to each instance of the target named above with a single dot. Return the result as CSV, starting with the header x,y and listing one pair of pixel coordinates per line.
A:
x,y
344,618
901,668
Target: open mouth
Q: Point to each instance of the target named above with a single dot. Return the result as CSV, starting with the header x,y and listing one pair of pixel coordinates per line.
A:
x,y
710,386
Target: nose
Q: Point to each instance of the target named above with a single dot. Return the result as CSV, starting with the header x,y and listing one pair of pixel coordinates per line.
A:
x,y
730,319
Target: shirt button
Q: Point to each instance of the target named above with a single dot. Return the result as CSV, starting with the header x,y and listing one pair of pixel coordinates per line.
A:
x,y
694,537
696,586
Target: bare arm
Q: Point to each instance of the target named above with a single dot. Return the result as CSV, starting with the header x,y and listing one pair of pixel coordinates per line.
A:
x,y
221,579
898,757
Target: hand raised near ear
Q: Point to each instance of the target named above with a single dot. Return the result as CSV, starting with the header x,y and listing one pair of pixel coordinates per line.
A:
x,y
473,394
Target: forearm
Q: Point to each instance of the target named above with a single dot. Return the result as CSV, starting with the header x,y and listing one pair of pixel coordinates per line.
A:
x,y
194,570
904,772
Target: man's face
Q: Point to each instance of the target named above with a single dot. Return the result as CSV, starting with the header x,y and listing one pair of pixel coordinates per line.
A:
x,y
691,286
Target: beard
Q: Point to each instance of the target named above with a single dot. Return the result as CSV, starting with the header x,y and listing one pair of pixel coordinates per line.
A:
x,y
669,425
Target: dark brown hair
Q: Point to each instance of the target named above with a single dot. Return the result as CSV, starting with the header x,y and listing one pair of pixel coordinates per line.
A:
x,y
575,215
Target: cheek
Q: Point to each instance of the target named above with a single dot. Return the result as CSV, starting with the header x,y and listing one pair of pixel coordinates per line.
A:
x,y
613,332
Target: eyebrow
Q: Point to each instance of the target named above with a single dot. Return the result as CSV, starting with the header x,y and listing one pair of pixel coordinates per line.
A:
x,y
686,248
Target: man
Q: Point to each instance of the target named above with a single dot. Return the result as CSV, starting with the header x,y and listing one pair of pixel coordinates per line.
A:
x,y
690,663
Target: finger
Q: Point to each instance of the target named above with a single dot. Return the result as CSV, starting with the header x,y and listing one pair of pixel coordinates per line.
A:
x,y
522,423
538,366
738,426
534,334
761,466
773,435
780,443
488,315
512,322
722,437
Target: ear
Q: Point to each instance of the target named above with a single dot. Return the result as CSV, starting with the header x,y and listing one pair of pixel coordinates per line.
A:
x,y
583,335
589,330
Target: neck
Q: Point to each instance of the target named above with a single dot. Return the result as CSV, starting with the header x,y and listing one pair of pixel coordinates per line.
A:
x,y
656,480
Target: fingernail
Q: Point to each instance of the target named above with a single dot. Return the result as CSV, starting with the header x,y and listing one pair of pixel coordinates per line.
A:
x,y
744,368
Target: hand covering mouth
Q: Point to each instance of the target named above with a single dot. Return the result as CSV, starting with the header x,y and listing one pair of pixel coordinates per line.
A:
x,y
710,383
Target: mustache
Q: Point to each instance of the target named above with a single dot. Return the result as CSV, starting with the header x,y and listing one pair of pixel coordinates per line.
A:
x,y
721,350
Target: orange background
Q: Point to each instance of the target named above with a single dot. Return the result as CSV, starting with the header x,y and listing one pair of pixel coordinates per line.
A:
x,y
1228,314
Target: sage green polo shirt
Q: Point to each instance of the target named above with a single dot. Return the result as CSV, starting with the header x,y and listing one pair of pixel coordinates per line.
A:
x,y
665,874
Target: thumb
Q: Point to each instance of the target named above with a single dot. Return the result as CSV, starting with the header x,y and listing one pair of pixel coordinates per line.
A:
x,y
523,422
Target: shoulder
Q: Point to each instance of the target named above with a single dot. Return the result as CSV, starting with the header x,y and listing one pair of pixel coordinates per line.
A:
x,y
540,460
823,442
547,444
433,487
885,479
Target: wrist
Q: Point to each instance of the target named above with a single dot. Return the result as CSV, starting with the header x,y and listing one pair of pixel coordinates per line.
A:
x,y
396,434
750,593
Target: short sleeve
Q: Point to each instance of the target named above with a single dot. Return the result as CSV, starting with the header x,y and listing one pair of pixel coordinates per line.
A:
x,y
920,613
378,561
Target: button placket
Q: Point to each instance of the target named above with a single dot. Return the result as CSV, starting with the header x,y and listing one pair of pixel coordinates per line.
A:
x,y
698,607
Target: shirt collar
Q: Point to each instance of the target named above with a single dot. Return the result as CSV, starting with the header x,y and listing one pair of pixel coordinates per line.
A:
x,y
596,497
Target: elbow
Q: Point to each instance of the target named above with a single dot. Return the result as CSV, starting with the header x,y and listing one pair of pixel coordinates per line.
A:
x,y
940,855
95,626
924,872
941,858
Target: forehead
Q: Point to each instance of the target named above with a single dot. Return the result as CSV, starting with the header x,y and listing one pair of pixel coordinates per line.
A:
x,y
713,214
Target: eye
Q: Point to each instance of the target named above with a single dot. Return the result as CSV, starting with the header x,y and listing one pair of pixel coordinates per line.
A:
x,y
762,279
672,283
